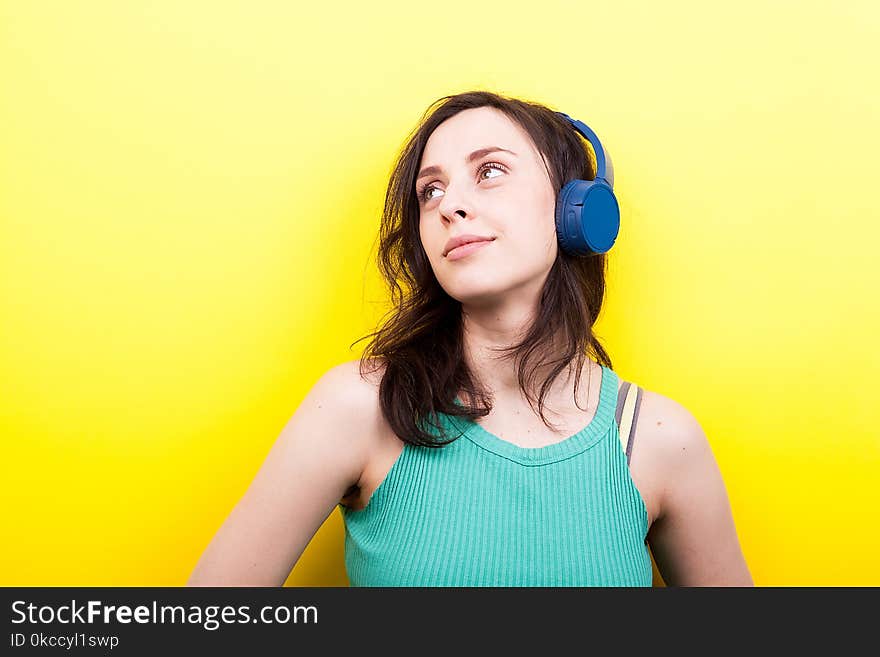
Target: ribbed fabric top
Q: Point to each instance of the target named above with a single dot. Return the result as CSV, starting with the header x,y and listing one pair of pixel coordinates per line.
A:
x,y
482,511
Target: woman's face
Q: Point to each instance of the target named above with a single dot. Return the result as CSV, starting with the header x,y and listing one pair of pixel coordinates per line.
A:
x,y
506,196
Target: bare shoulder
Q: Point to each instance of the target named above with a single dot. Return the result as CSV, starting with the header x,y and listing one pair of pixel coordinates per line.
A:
x,y
694,539
669,429
359,379
671,444
357,389
356,393
359,383
319,454
340,410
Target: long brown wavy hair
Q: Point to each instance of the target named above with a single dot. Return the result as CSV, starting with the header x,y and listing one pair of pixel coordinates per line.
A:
x,y
420,340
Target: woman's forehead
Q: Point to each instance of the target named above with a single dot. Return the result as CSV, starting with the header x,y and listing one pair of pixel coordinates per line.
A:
x,y
478,128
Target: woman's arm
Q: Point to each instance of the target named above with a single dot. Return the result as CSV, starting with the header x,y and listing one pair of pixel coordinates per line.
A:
x,y
693,540
319,454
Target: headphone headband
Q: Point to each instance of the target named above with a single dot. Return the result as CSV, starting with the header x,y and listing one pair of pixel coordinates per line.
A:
x,y
604,167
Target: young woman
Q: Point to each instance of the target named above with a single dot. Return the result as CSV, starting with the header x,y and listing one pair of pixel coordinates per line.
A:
x,y
437,445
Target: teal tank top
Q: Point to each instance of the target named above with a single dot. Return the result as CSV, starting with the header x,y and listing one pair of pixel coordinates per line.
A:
x,y
482,511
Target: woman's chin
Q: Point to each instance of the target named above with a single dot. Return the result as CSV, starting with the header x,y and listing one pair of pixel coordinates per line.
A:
x,y
477,294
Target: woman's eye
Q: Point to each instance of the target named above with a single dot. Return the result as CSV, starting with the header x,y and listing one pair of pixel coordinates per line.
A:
x,y
425,193
492,166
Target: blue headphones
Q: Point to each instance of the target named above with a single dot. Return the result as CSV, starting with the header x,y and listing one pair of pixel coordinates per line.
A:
x,y
587,213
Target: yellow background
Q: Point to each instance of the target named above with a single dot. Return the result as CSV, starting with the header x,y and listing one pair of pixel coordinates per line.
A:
x,y
190,193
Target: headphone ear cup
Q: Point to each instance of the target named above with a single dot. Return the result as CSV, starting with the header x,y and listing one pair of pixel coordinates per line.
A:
x,y
587,217
566,220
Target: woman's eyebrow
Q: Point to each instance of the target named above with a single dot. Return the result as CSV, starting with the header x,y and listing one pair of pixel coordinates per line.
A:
x,y
480,152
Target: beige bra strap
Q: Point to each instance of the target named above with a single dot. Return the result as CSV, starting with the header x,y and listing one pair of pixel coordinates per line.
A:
x,y
628,401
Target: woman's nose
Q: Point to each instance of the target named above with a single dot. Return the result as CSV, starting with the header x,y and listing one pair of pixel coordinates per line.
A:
x,y
454,206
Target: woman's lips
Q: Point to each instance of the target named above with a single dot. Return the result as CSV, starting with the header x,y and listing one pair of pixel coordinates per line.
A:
x,y
465,250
